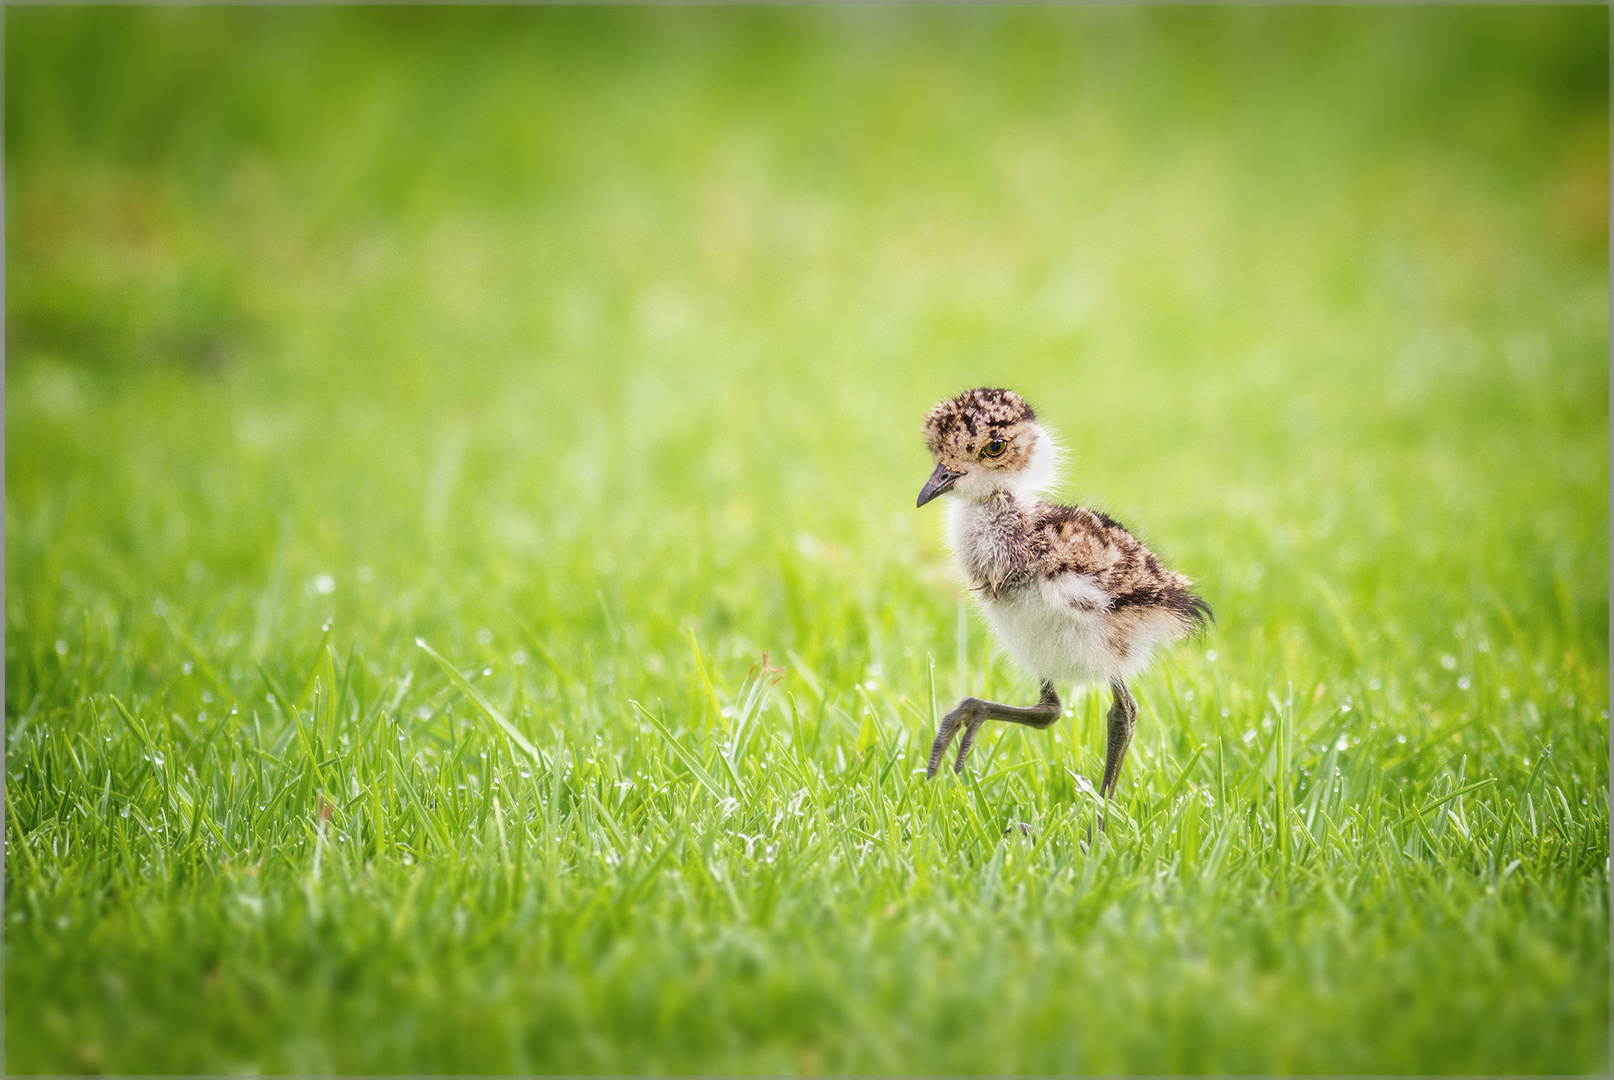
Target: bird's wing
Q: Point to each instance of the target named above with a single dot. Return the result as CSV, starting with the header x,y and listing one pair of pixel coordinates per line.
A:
x,y
1073,539
1088,561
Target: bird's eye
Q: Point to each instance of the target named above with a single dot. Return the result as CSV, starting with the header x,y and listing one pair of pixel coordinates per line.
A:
x,y
995,448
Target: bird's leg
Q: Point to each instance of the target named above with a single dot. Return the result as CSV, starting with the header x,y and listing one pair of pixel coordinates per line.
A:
x,y
1123,719
972,712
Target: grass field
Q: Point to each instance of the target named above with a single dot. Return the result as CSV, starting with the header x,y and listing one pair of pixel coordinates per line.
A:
x,y
590,349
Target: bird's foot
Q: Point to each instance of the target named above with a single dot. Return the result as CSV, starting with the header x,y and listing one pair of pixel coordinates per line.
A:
x,y
961,716
968,741
971,713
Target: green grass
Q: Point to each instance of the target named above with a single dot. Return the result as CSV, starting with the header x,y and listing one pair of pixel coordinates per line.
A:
x,y
590,347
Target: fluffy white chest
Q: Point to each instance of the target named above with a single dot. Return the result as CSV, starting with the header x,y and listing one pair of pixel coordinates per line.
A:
x,y
1053,640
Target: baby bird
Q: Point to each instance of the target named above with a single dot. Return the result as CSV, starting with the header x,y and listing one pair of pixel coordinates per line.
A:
x,y
1070,594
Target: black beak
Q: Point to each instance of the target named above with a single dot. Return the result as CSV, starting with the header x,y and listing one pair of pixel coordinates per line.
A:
x,y
941,481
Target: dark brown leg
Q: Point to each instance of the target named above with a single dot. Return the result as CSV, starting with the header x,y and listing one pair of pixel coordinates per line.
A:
x,y
1123,720
972,712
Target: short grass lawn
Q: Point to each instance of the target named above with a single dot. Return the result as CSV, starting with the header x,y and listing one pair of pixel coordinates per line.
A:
x,y
465,608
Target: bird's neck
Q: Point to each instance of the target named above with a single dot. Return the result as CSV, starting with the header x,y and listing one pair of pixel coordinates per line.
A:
x,y
990,539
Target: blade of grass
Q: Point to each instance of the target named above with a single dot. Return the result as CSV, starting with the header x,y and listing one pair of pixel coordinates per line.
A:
x,y
483,705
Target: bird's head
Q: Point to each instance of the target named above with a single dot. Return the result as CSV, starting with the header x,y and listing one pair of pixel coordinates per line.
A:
x,y
985,441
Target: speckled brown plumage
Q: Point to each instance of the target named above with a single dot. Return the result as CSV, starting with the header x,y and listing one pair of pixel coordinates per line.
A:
x,y
1070,593
959,427
1074,539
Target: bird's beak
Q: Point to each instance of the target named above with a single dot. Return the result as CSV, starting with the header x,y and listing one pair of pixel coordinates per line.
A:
x,y
941,481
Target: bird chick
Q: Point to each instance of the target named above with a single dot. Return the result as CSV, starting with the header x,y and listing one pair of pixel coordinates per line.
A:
x,y
1070,594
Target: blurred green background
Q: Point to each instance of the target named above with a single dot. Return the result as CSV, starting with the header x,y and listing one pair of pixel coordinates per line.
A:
x,y
577,331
